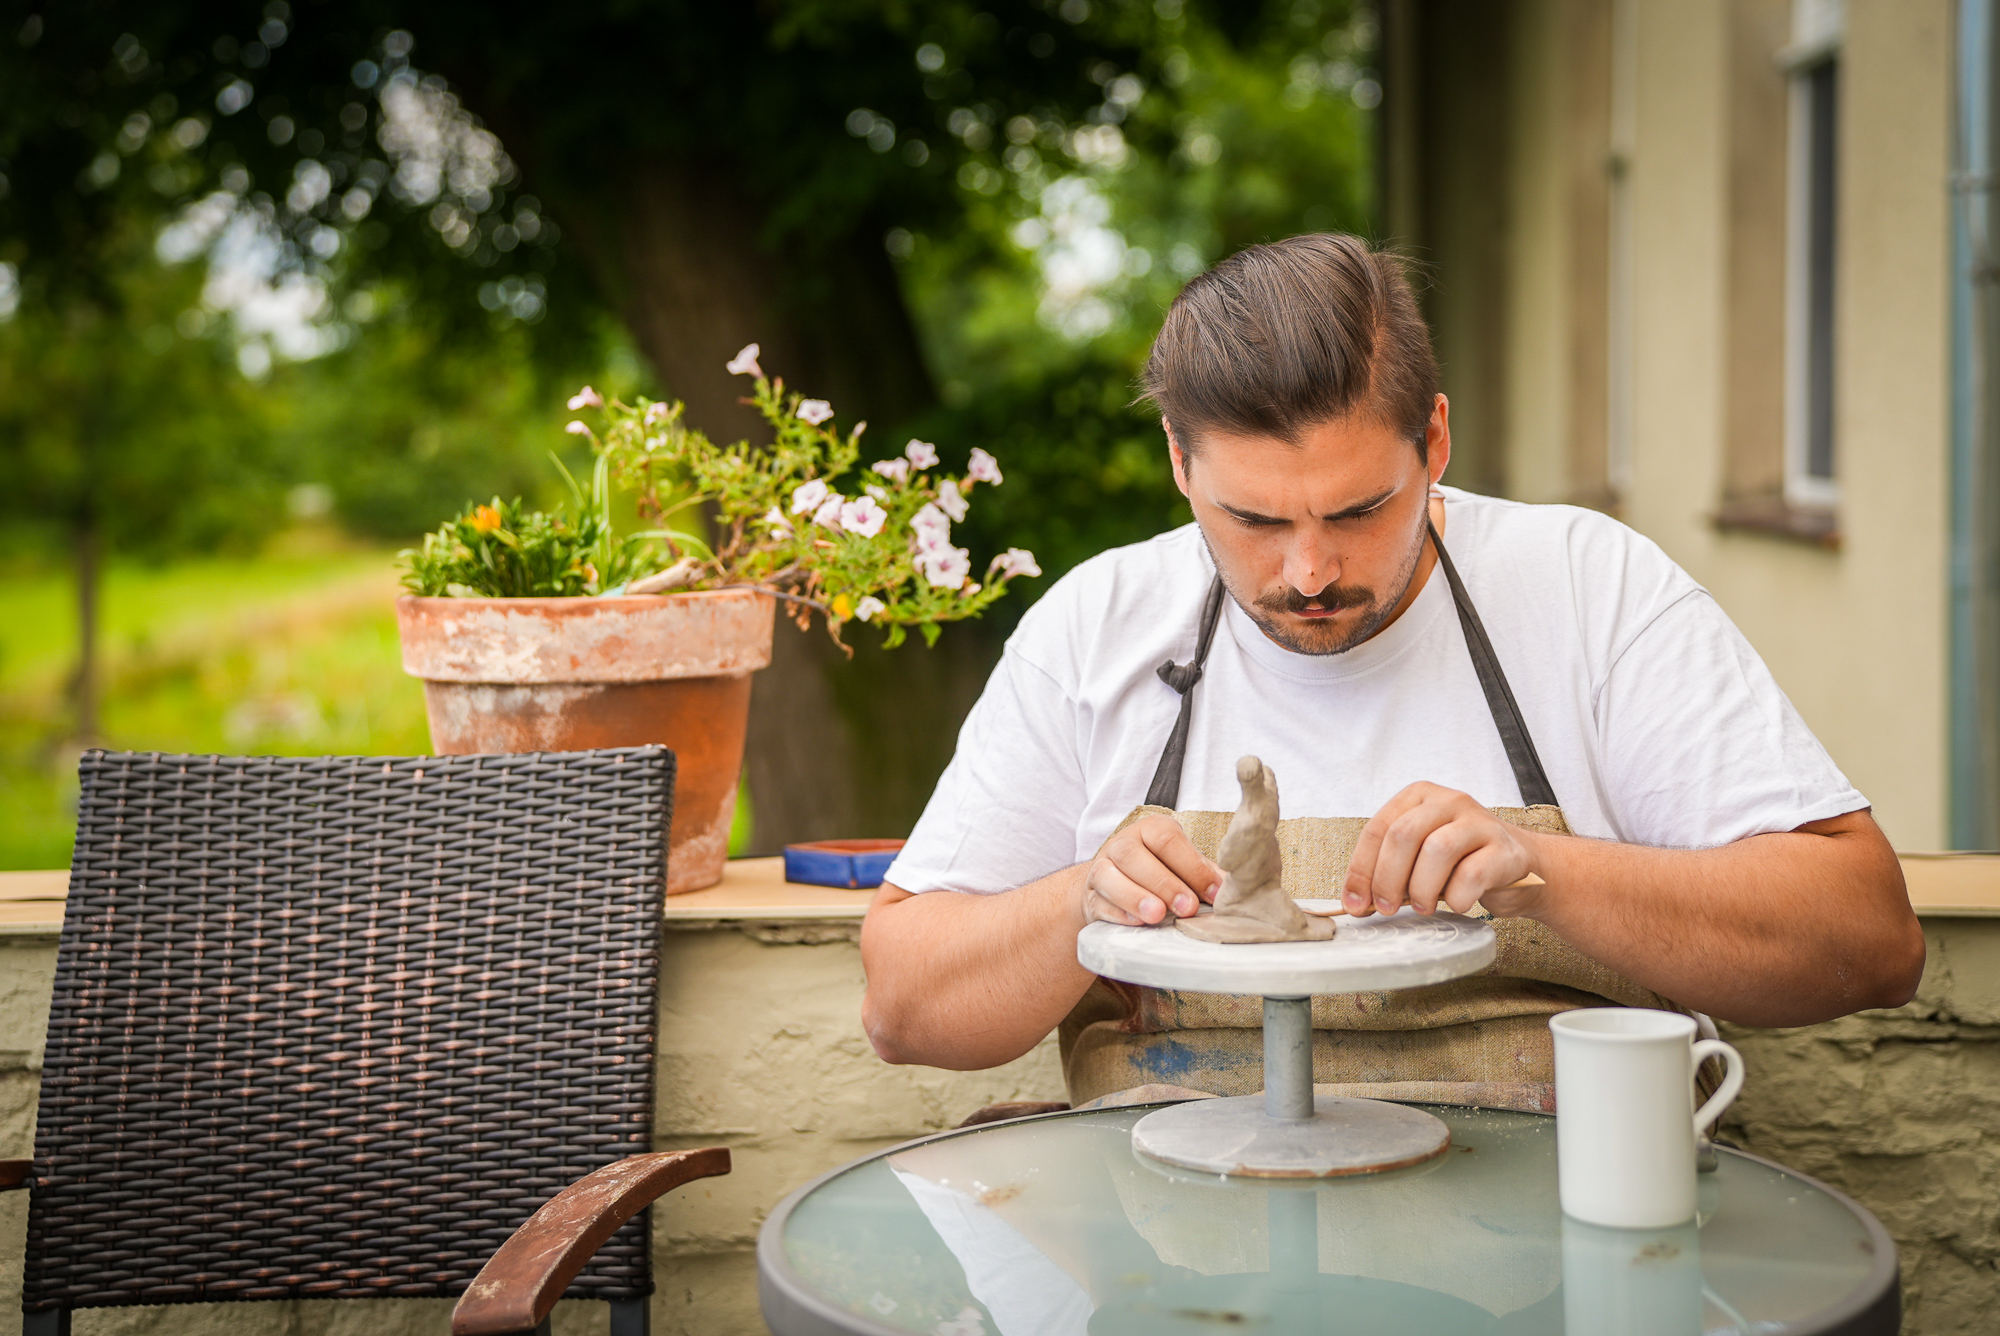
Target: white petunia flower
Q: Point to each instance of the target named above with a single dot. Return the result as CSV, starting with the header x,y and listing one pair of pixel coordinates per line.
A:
x,y
983,468
577,429
1016,561
745,362
931,526
815,411
951,501
781,526
869,606
585,398
896,470
810,496
922,454
828,514
946,567
863,517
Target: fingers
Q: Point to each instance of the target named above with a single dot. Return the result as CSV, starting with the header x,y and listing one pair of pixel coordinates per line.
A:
x,y
1113,896
1379,873
1475,875
1429,846
1167,842
1146,872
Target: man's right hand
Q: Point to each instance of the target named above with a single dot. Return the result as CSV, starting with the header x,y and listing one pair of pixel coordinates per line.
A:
x,y
1146,871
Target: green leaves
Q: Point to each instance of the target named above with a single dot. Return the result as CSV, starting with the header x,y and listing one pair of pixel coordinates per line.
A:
x,y
503,550
882,554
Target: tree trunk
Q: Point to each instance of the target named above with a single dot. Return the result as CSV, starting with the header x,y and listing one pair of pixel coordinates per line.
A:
x,y
83,685
837,747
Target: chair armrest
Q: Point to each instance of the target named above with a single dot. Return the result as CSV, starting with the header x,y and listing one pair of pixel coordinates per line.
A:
x,y
521,1282
15,1173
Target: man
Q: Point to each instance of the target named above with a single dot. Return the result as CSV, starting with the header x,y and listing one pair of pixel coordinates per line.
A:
x,y
1696,846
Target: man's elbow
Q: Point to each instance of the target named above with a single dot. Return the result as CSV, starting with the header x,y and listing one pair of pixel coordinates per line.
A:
x,y
1898,967
887,1034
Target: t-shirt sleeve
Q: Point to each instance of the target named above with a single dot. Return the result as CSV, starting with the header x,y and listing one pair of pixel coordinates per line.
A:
x,y
1699,746
1005,811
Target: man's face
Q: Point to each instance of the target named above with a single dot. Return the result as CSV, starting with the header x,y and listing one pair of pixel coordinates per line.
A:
x,y
1319,542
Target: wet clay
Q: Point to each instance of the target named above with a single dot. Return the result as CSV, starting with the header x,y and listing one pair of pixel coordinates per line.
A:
x,y
1252,905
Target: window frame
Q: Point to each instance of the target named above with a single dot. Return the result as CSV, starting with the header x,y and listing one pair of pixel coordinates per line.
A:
x,y
1812,256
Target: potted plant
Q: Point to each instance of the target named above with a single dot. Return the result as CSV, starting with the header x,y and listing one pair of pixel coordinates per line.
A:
x,y
535,631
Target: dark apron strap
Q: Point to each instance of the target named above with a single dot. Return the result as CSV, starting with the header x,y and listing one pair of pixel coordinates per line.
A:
x,y
1166,786
1536,791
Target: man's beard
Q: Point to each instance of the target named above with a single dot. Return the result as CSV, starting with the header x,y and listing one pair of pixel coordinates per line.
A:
x,y
1325,637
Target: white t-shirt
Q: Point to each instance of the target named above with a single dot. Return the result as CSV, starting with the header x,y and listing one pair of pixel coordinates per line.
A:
x,y
1655,720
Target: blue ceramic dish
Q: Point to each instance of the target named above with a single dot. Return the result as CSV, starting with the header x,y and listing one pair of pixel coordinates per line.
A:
x,y
853,865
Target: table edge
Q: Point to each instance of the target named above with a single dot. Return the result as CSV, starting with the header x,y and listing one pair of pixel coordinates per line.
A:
x,y
776,1280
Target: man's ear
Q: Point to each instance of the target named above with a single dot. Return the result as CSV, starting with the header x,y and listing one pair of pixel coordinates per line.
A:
x,y
1178,458
1437,439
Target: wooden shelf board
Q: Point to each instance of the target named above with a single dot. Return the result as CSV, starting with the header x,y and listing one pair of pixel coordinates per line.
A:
x,y
1942,885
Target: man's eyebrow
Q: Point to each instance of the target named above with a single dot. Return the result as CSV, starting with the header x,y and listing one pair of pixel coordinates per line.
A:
x,y
1354,511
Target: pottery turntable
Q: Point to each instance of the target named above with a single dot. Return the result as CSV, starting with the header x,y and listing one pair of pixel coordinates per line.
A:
x,y
1285,1133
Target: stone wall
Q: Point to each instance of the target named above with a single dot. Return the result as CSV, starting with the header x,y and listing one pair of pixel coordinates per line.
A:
x,y
1901,1110
762,1051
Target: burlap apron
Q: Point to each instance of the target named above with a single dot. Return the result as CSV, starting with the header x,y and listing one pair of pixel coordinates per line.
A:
x,y
1483,1039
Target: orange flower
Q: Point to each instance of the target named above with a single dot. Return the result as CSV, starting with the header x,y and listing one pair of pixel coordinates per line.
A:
x,y
485,519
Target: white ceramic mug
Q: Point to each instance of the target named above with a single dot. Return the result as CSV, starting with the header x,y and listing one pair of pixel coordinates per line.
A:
x,y
1625,1118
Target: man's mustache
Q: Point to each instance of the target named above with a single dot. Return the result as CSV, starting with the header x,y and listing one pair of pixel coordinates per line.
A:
x,y
1332,597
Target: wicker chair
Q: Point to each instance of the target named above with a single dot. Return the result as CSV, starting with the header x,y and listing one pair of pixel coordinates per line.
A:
x,y
337,1027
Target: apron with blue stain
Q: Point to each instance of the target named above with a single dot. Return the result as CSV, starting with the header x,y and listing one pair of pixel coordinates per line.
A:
x,y
1483,1039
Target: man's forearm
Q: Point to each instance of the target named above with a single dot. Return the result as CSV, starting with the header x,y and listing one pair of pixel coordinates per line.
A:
x,y
1783,929
971,981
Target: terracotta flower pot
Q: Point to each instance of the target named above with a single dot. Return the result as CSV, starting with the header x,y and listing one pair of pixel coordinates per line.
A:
x,y
568,674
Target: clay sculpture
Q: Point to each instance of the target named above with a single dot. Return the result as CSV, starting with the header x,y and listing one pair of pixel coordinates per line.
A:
x,y
1252,905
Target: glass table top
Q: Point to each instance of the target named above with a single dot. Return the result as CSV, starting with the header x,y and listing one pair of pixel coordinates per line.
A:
x,y
1055,1227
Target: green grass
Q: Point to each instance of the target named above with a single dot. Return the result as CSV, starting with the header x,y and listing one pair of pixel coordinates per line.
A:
x,y
292,653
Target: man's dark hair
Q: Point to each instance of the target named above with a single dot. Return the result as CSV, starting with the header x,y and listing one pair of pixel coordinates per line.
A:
x,y
1283,337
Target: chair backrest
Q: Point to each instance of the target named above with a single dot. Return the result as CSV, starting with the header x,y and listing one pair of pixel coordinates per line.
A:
x,y
336,1026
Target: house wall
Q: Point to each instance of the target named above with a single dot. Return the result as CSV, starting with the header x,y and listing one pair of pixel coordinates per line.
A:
x,y
1856,635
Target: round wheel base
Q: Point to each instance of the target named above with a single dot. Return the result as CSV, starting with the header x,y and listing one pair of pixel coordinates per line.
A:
x,y
1344,1136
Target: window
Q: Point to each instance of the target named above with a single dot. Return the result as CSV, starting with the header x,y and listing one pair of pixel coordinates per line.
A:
x,y
1813,59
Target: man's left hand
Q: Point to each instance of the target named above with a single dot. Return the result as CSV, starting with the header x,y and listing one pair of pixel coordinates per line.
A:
x,y
1430,845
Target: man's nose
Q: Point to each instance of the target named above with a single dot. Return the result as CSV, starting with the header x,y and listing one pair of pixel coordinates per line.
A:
x,y
1310,565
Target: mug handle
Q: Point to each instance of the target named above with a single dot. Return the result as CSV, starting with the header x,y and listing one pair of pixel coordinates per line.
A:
x,y
1732,1081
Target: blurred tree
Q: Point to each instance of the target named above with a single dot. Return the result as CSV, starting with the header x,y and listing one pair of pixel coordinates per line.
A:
x,y
1031,178
118,430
